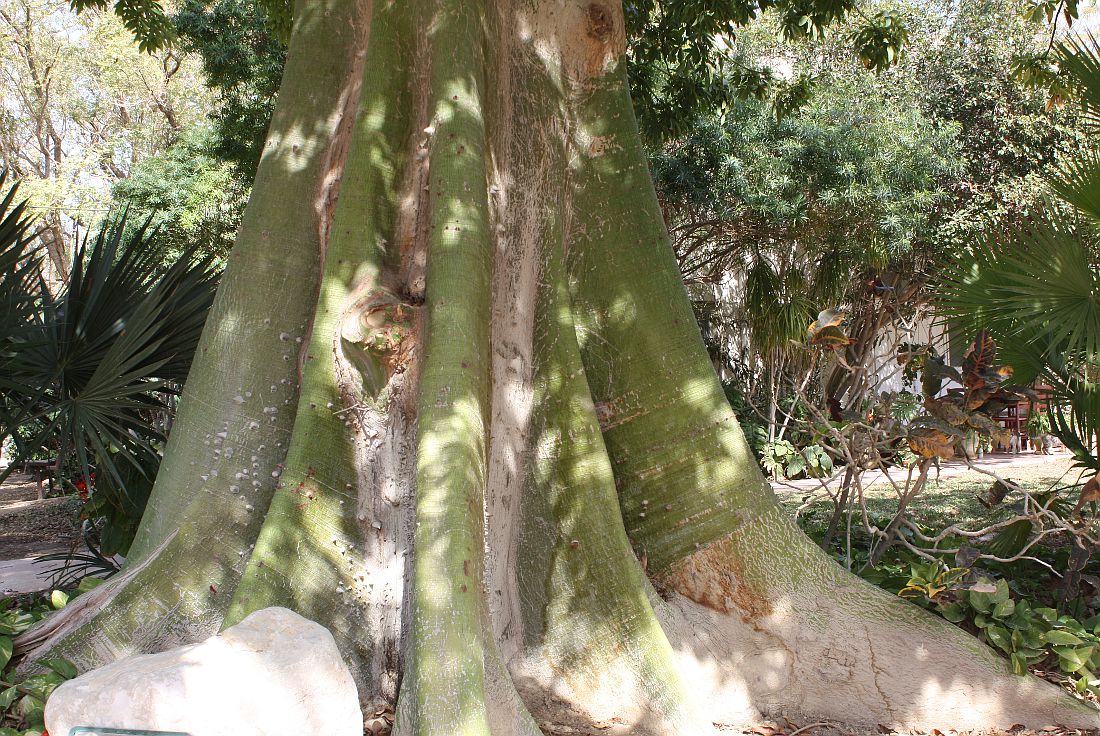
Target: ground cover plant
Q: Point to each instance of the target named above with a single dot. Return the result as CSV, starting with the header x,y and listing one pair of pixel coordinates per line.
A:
x,y
1040,611
23,697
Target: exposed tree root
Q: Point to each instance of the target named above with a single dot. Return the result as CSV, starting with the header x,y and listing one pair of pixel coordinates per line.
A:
x,y
502,407
830,645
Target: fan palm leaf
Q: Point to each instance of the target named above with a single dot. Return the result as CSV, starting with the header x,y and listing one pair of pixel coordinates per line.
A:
x,y
1077,181
1079,59
98,361
1036,289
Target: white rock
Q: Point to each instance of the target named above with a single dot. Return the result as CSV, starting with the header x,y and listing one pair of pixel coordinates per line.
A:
x,y
273,674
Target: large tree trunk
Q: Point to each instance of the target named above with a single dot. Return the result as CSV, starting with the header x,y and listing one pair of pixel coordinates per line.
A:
x,y
451,403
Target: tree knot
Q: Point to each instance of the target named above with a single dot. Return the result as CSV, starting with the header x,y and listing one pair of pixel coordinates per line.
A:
x,y
600,24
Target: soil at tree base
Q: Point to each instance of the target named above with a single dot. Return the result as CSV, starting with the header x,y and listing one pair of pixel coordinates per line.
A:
x,y
783,727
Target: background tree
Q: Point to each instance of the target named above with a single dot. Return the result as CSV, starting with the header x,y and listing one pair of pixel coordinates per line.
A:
x,y
862,180
1035,284
242,61
82,106
194,198
784,216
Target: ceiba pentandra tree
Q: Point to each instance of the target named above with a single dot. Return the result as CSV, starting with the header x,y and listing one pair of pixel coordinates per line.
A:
x,y
451,403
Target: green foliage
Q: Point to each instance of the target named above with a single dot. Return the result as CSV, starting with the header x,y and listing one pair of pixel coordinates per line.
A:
x,y
683,61
1008,134
120,504
848,179
1034,286
242,59
1046,11
83,106
1080,63
1038,424
776,456
929,578
87,372
1026,634
144,18
23,700
815,462
192,199
781,459
880,41
15,620
20,280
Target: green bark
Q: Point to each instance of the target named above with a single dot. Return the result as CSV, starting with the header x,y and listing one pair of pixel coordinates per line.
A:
x,y
310,544
506,417
445,672
245,366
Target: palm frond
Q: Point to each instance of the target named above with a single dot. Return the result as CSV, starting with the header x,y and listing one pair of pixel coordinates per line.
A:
x,y
776,307
105,352
1077,181
1079,60
1034,289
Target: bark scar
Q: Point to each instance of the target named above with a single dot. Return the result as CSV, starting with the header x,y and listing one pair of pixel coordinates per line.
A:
x,y
714,577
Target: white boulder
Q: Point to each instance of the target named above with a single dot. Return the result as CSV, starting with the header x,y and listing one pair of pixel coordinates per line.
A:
x,y
273,674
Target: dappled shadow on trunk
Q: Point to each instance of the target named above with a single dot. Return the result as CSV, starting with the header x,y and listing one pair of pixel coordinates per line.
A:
x,y
465,445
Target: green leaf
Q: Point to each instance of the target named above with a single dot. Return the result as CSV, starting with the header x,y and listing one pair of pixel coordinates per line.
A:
x,y
999,636
1033,639
981,602
953,612
32,710
62,667
1004,609
8,696
5,651
89,583
1062,638
796,466
1070,659
1019,663
1048,614
59,599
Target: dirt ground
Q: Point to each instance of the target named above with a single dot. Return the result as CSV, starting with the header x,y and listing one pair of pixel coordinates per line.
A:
x,y
784,727
30,527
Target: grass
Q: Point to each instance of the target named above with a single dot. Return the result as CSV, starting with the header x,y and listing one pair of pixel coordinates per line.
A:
x,y
953,499
944,501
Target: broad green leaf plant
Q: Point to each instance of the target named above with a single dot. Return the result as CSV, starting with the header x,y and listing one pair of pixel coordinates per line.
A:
x,y
23,699
1030,636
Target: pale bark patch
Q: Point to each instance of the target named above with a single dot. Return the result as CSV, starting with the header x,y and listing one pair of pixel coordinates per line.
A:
x,y
581,40
712,577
